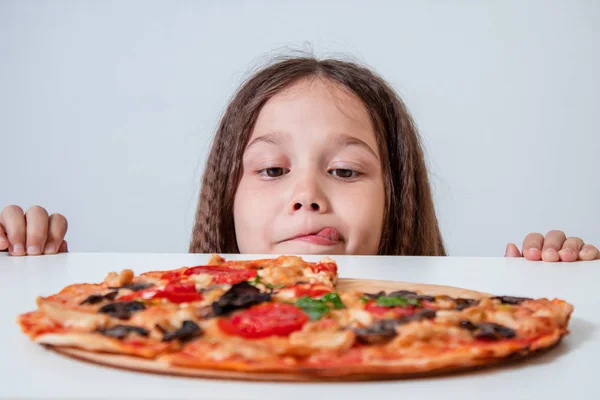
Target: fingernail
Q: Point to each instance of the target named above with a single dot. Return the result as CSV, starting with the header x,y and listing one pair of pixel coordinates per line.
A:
x,y
565,252
18,248
533,251
585,250
33,250
551,255
50,249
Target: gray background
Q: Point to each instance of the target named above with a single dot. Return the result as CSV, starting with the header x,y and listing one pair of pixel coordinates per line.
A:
x,y
107,108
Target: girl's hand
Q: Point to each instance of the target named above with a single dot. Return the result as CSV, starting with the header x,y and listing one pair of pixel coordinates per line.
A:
x,y
554,247
32,233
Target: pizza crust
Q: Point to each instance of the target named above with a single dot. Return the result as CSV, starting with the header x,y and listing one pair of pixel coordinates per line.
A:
x,y
374,285
357,373
97,343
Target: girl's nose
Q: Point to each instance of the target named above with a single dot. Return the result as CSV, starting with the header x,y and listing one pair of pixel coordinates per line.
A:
x,y
307,195
313,206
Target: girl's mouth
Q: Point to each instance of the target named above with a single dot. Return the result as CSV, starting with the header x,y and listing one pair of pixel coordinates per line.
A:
x,y
324,237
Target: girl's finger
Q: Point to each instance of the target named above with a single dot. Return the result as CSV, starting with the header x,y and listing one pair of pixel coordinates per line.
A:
x,y
532,246
57,229
553,242
570,249
64,248
13,221
512,251
3,239
37,230
589,252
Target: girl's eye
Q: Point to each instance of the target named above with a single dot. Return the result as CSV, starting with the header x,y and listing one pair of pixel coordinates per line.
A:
x,y
344,173
274,172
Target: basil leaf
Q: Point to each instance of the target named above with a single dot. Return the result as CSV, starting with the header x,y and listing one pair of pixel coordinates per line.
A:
x,y
414,302
386,301
396,301
257,280
268,285
314,308
334,299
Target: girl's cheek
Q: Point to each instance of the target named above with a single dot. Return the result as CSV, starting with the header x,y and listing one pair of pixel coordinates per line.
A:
x,y
254,203
362,211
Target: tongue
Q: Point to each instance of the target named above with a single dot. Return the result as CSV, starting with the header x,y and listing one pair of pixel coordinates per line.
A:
x,y
330,233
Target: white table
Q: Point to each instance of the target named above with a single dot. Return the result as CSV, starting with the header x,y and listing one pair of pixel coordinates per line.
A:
x,y
569,371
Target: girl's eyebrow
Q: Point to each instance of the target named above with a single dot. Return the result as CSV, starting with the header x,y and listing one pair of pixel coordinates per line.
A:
x,y
345,140
273,138
341,140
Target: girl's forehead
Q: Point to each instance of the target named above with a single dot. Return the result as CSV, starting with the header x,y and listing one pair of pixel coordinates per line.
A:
x,y
315,107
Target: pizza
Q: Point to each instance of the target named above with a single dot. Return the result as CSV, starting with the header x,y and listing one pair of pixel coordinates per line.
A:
x,y
287,318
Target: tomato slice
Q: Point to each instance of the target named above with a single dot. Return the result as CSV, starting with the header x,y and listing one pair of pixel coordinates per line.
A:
x,y
310,290
327,267
263,320
171,275
223,275
398,311
175,292
180,292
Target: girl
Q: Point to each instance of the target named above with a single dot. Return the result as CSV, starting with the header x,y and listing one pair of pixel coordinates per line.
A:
x,y
310,157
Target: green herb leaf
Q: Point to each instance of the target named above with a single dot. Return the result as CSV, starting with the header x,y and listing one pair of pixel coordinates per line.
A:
x,y
314,308
334,299
364,300
255,281
399,301
414,302
386,301
273,286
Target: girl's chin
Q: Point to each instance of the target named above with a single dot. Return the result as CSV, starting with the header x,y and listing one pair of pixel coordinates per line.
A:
x,y
300,247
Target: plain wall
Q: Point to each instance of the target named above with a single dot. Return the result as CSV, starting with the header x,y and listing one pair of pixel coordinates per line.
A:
x,y
107,108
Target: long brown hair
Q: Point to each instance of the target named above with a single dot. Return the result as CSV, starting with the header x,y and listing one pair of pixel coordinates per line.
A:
x,y
410,226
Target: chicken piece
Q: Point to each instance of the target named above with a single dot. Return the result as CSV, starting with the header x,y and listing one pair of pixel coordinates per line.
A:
x,y
307,342
117,280
416,333
85,321
168,317
325,334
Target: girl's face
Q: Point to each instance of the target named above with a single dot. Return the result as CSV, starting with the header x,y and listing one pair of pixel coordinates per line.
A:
x,y
312,181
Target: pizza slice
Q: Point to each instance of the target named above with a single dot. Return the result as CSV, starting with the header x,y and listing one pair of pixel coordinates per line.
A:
x,y
158,311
